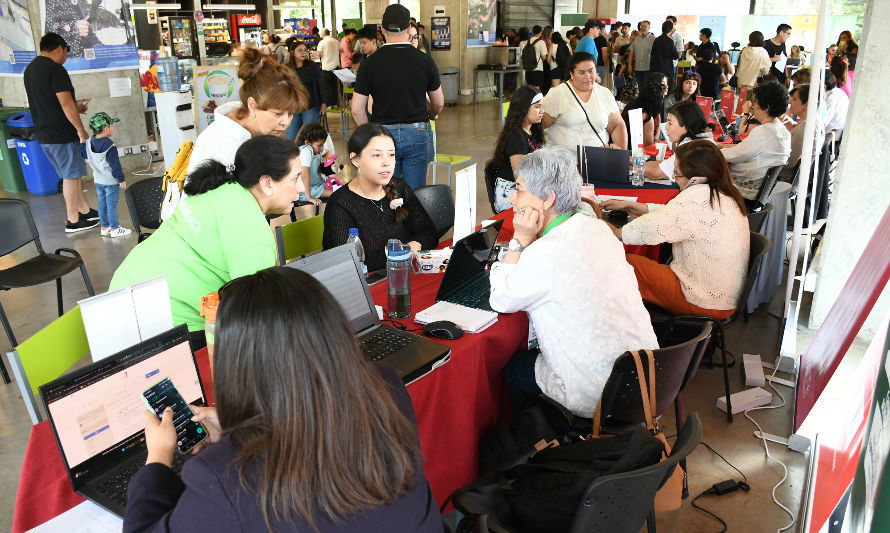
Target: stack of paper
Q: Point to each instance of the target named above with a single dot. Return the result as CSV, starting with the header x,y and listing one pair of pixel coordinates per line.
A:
x,y
468,319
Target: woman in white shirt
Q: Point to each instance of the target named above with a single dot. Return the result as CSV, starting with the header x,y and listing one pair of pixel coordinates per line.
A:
x,y
567,271
685,123
708,228
768,145
580,111
753,60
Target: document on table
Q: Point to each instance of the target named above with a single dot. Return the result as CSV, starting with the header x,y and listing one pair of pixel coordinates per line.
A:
x,y
626,198
84,518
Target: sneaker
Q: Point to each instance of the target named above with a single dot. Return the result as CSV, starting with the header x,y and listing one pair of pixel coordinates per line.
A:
x,y
80,225
119,232
92,214
104,231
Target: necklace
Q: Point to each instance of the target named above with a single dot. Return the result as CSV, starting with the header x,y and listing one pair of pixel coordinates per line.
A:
x,y
377,205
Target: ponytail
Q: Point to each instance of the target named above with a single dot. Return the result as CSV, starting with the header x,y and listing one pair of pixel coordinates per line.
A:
x,y
208,176
393,194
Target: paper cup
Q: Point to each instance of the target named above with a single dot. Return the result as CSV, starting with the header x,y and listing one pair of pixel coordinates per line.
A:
x,y
662,148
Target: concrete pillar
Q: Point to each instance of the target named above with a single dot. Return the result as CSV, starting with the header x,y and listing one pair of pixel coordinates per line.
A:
x,y
374,11
604,9
861,194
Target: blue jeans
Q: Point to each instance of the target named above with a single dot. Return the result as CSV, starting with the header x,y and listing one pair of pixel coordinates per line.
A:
x,y
306,117
108,198
519,375
412,153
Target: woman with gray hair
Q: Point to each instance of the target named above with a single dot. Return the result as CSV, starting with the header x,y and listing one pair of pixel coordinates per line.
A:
x,y
567,270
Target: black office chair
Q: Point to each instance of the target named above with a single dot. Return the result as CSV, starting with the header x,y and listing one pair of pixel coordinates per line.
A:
x,y
619,503
766,188
758,217
760,244
144,203
437,201
19,230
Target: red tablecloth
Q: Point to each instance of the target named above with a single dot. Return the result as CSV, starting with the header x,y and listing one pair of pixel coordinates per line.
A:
x,y
649,196
454,405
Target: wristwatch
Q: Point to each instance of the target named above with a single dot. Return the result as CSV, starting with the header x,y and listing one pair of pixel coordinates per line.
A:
x,y
515,246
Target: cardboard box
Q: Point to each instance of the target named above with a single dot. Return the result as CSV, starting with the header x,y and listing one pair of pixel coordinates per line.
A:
x,y
432,261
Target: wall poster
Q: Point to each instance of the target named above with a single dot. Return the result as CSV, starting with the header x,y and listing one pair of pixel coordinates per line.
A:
x,y
214,86
101,33
441,28
16,40
481,22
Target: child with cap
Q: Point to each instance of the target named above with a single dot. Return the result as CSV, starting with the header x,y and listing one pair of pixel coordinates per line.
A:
x,y
101,153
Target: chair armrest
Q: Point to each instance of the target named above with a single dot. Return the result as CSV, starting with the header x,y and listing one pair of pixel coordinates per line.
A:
x,y
71,251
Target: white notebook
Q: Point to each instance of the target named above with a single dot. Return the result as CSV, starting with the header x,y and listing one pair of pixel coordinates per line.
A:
x,y
468,319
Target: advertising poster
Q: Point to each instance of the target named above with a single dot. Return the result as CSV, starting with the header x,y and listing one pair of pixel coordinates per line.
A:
x,y
302,29
481,22
441,28
214,86
16,39
100,33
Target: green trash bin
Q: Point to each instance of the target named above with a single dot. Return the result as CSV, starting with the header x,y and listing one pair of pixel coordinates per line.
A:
x,y
11,177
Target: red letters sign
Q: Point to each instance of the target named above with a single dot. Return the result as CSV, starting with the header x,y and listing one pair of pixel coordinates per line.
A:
x,y
249,20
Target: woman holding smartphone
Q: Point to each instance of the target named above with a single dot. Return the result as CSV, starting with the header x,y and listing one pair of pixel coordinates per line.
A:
x,y
307,434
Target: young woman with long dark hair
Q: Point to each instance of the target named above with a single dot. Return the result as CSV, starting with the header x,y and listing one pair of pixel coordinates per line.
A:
x,y
380,206
307,435
310,76
708,228
688,87
685,123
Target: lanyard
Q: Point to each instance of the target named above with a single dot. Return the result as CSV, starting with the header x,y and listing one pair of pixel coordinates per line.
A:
x,y
556,222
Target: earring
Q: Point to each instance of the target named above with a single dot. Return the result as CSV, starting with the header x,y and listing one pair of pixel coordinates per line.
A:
x,y
252,116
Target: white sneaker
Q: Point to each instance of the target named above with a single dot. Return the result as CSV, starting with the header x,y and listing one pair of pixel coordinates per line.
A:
x,y
119,232
104,231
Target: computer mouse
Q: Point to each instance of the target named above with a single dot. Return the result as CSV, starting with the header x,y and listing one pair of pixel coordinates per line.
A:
x,y
443,329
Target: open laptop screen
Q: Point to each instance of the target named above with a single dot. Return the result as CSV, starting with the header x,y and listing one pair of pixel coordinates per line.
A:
x,y
97,412
470,256
338,270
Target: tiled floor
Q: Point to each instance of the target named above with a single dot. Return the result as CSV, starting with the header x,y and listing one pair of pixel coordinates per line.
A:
x,y
469,130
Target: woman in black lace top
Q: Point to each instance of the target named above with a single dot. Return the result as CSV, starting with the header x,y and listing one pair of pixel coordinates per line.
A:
x,y
380,206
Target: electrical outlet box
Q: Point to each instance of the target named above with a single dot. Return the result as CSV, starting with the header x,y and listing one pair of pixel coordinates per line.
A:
x,y
748,399
753,370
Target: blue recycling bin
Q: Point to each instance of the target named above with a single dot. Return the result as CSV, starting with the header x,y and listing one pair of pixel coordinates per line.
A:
x,y
41,177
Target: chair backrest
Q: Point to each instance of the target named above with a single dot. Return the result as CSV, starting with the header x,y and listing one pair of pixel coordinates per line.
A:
x,y
769,181
18,226
47,355
144,203
439,205
623,502
757,218
299,238
621,399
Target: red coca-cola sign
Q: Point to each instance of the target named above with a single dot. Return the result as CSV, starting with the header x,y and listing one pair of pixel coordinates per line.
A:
x,y
249,20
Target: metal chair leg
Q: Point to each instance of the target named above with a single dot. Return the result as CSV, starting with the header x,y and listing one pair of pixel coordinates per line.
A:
x,y
12,342
59,294
722,343
86,280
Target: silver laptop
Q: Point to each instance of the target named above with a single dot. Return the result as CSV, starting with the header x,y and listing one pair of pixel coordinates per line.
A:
x,y
97,413
338,269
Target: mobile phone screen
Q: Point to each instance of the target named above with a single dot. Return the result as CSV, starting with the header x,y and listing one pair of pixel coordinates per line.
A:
x,y
163,395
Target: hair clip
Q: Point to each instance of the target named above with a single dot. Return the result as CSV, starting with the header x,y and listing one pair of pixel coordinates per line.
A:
x,y
230,168
397,203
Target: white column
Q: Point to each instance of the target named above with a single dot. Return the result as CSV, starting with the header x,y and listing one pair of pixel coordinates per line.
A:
x,y
861,191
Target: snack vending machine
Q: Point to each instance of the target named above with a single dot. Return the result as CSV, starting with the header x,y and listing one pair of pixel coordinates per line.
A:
x,y
179,37
248,29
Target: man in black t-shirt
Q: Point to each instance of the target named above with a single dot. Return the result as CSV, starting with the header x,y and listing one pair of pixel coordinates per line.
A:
x,y
661,59
775,47
58,126
706,42
404,85
604,55
710,73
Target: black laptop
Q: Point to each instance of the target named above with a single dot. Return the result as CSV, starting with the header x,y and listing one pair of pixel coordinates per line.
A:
x,y
97,413
338,269
466,277
598,165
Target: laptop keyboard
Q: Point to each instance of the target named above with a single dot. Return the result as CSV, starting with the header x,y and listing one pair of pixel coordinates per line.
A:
x,y
384,342
115,488
473,294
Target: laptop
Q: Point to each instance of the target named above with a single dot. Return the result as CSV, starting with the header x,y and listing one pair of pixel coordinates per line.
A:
x,y
339,270
598,164
466,277
97,413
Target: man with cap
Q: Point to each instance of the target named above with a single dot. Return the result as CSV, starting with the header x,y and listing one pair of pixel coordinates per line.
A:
x,y
592,29
58,126
400,78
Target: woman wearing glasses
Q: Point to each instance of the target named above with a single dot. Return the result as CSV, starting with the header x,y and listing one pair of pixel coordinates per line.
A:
x,y
708,228
306,435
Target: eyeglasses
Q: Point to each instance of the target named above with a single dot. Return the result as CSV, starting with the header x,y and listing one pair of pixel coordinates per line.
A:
x,y
414,37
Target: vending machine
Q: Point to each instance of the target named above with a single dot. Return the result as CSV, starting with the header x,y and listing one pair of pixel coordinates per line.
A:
x,y
216,37
179,37
248,29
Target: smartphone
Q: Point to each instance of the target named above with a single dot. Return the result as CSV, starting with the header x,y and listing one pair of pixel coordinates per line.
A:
x,y
163,394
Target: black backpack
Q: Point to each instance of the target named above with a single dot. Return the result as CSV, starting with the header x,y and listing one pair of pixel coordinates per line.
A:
x,y
529,56
563,55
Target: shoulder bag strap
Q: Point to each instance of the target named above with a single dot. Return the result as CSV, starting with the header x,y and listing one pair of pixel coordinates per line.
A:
x,y
585,113
597,419
644,389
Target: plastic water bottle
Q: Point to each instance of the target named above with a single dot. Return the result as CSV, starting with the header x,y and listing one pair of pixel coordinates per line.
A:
x,y
359,249
398,276
638,173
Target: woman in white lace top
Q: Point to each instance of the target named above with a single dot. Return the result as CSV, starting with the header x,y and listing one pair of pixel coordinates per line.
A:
x,y
708,228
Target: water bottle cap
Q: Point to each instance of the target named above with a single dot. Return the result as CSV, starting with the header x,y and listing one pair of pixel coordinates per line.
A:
x,y
398,255
353,232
